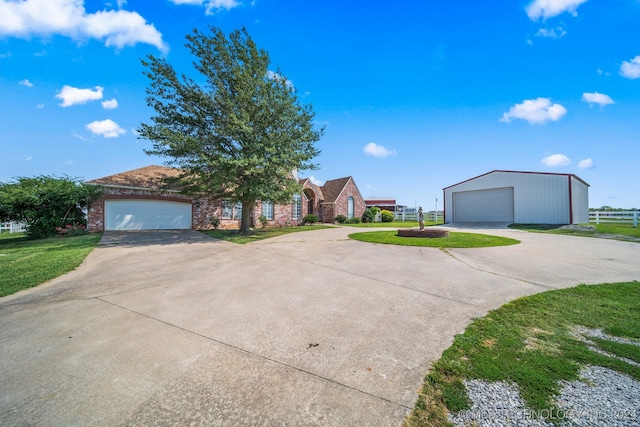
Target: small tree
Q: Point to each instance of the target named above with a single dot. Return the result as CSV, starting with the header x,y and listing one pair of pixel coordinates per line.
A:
x,y
240,133
45,203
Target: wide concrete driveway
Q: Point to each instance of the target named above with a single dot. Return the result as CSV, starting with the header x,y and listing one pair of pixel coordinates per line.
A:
x,y
174,328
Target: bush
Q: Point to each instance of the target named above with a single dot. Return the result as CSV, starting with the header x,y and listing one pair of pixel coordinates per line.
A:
x,y
310,219
387,216
215,221
72,230
263,220
341,219
369,214
355,220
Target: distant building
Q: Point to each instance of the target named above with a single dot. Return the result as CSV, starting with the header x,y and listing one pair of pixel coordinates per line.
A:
x,y
386,203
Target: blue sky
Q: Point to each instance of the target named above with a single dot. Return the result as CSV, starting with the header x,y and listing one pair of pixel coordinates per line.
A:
x,y
415,95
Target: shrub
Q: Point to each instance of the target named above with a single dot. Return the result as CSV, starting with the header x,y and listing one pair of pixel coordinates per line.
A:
x,y
215,221
355,220
310,219
263,220
341,219
369,214
387,216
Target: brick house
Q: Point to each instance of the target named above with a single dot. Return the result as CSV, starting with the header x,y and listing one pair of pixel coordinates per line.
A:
x,y
139,200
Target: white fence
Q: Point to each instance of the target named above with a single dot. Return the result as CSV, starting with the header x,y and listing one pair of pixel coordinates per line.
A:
x,y
413,216
12,227
619,217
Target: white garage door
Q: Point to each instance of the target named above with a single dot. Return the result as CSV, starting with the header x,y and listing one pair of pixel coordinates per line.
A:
x,y
146,215
493,205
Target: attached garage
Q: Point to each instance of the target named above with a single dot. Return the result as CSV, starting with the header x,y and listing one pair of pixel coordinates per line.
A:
x,y
518,197
147,215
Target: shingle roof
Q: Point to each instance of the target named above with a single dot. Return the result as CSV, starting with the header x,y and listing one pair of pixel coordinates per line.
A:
x,y
309,184
332,188
149,177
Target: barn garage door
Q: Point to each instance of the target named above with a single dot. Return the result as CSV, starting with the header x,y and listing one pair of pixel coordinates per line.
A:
x,y
494,205
146,215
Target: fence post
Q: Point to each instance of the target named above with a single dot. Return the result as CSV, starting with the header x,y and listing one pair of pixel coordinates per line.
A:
x,y
635,219
597,217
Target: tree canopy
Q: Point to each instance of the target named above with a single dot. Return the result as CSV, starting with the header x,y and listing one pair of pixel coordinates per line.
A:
x,y
44,203
238,131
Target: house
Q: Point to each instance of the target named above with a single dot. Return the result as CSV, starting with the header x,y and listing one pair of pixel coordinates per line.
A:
x,y
386,203
139,200
518,197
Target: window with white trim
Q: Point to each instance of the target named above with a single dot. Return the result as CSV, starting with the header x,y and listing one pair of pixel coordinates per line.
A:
x,y
296,212
267,209
237,210
227,209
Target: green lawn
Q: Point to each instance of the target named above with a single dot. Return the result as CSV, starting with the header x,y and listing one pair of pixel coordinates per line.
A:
x,y
393,224
529,342
27,263
259,233
455,240
620,231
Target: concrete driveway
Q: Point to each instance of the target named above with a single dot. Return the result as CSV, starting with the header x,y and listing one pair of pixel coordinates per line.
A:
x,y
174,328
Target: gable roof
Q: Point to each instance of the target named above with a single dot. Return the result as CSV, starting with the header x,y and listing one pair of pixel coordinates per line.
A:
x,y
307,183
521,172
148,177
333,188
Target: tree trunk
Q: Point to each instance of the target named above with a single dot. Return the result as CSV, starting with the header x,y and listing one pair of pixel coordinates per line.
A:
x,y
245,222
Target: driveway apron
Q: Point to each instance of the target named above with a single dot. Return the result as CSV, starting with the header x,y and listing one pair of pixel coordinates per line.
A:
x,y
312,328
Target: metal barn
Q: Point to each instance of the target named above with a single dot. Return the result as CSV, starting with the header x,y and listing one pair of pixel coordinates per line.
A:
x,y
518,197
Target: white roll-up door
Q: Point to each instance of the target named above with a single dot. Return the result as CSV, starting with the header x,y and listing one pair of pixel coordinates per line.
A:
x,y
147,215
492,205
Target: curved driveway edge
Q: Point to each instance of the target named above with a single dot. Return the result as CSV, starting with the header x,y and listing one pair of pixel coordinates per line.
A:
x,y
309,328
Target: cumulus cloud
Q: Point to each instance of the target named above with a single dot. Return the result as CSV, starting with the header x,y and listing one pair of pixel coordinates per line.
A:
x,y
549,8
119,28
585,164
110,104
377,150
315,180
26,83
211,6
556,160
107,128
74,96
535,111
631,69
597,98
553,33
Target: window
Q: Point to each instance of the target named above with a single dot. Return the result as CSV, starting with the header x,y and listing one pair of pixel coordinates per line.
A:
x,y
227,209
297,207
237,210
267,210
350,207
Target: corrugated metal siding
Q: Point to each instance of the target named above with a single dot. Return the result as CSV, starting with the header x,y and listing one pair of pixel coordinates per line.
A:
x,y
494,205
538,198
580,201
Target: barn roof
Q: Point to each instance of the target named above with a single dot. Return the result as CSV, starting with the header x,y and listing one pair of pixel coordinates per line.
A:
x,y
521,172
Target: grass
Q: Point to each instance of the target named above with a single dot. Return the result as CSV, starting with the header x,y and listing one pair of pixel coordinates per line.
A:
x,y
455,240
259,233
393,224
619,231
529,342
28,263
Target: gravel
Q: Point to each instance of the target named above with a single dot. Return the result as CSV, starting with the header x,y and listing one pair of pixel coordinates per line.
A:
x,y
601,397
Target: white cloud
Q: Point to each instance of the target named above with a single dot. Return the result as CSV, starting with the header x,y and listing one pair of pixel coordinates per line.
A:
x,y
119,28
601,72
211,6
315,180
597,98
74,96
40,106
26,83
77,135
553,33
107,128
110,104
585,164
376,150
631,69
535,111
556,160
275,76
549,8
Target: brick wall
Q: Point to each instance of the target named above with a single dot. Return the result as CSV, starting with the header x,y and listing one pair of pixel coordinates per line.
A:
x,y
342,203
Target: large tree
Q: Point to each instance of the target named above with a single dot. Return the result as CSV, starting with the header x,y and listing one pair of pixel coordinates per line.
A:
x,y
238,131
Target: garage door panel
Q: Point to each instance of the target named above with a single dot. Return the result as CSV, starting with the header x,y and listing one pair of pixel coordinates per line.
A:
x,y
491,205
147,215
